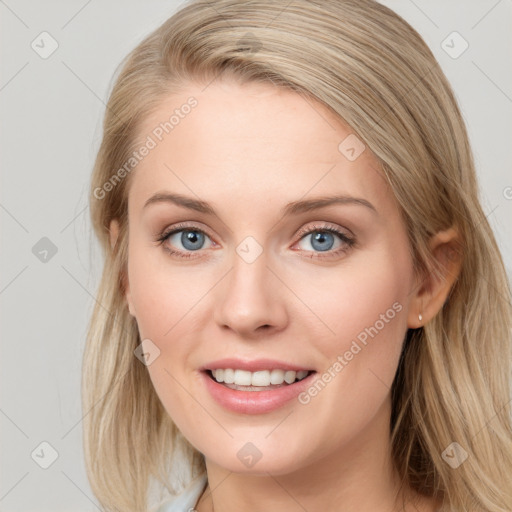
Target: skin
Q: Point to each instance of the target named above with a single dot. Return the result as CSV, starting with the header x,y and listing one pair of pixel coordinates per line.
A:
x,y
248,150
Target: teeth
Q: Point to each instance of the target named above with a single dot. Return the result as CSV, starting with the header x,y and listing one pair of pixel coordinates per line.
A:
x,y
227,376
260,378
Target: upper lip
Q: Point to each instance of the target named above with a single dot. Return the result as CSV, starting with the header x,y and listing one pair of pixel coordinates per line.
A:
x,y
253,365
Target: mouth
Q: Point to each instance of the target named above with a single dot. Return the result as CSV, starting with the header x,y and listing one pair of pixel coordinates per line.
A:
x,y
255,387
262,380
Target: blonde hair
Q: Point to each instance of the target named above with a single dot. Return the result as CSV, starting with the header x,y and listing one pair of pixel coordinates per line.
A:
x,y
374,71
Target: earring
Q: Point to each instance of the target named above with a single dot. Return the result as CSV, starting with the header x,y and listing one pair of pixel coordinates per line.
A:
x,y
420,317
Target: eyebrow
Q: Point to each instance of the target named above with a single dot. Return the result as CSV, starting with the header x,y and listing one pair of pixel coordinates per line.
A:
x,y
294,207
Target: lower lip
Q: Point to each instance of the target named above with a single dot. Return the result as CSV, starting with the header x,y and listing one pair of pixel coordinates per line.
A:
x,y
254,402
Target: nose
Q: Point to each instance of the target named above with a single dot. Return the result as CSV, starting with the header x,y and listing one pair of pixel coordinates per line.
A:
x,y
250,301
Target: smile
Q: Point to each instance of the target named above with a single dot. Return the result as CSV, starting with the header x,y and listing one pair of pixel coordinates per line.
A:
x,y
256,381
268,390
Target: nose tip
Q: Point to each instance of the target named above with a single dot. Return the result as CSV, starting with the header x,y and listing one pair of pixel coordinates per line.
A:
x,y
248,301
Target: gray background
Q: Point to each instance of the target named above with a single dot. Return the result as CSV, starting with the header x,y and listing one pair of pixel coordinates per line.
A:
x,y
51,111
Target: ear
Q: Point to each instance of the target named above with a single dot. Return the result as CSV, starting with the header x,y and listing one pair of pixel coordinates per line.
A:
x,y
431,293
114,233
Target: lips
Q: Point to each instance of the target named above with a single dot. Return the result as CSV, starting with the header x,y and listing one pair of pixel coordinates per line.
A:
x,y
258,400
254,365
255,399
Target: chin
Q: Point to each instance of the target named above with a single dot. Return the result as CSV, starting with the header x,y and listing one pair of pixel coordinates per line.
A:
x,y
250,462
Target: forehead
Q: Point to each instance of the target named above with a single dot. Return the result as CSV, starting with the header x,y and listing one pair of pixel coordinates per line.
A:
x,y
226,141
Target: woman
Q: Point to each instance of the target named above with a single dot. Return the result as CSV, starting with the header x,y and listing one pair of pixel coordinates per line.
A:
x,y
303,306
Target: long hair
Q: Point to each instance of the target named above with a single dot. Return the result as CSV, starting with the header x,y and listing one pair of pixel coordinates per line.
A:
x,y
375,72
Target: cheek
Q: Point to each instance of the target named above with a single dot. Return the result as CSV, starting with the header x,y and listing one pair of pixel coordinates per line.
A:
x,y
163,297
362,300
365,308
360,329
168,302
162,293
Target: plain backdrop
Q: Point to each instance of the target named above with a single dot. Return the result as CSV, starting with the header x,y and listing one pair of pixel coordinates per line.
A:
x,y
51,115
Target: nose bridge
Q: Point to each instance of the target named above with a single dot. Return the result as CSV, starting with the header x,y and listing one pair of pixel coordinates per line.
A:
x,y
248,298
249,275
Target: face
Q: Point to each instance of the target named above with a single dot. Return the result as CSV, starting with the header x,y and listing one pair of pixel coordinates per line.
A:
x,y
243,269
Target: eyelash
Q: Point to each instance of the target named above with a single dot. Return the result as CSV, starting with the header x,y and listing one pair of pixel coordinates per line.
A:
x,y
348,241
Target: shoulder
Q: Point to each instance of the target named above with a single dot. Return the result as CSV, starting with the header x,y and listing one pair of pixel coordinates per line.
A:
x,y
187,500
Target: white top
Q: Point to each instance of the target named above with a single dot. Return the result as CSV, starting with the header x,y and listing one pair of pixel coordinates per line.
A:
x,y
187,500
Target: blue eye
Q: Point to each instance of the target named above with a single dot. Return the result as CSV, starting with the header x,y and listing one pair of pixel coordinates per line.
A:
x,y
192,240
322,239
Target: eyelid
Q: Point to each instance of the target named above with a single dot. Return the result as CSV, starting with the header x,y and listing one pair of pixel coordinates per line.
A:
x,y
323,226
304,230
348,241
183,226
